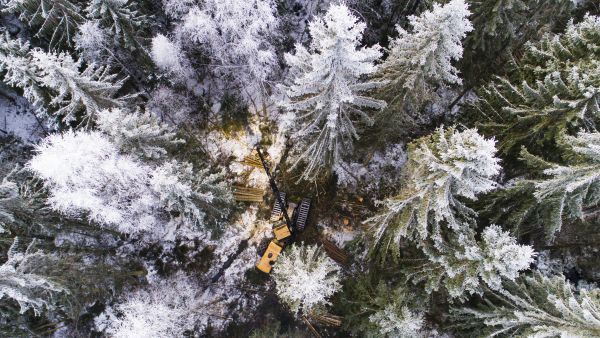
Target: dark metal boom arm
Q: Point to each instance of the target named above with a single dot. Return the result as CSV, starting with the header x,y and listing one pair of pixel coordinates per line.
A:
x,y
288,221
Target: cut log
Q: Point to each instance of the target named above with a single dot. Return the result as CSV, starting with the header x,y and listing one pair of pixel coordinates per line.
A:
x,y
327,319
252,160
334,252
311,327
247,194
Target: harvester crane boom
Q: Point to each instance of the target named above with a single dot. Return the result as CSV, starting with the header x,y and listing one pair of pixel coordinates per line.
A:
x,y
273,185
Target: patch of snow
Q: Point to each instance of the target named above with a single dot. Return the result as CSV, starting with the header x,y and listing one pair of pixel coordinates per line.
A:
x,y
17,117
382,171
170,106
339,235
221,146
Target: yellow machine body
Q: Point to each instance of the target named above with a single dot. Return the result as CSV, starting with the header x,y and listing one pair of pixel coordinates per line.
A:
x,y
282,232
265,264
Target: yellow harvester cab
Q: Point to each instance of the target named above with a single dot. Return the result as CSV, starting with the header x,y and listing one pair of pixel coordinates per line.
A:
x,y
282,232
265,264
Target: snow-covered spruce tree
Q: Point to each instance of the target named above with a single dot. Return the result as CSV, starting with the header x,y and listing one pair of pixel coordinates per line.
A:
x,y
305,277
575,185
534,306
555,92
85,173
564,99
169,58
499,22
421,60
201,198
55,20
568,191
236,35
122,19
49,251
461,264
56,80
20,284
138,132
398,321
163,309
176,306
498,16
18,71
326,87
92,42
381,311
87,176
441,167
501,28
76,91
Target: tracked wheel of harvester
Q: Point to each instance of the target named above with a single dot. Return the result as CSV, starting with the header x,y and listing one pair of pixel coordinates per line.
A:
x,y
276,211
303,210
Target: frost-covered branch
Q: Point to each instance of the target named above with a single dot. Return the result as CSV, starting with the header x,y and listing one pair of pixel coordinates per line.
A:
x,y
20,284
421,60
537,306
442,167
325,87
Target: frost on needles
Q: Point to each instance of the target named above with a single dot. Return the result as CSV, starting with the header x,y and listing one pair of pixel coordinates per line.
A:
x,y
325,89
305,278
444,169
421,59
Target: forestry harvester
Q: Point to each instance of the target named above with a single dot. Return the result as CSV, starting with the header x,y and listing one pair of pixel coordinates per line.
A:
x,y
289,219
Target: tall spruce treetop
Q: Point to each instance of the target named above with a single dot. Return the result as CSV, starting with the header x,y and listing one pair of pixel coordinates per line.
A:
x,y
92,42
555,94
161,309
441,167
422,59
88,90
326,85
397,321
574,185
56,82
169,58
86,173
565,180
499,22
305,277
379,309
462,265
502,27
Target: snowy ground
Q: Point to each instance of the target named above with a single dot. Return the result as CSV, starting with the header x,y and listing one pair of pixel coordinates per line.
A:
x,y
16,117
